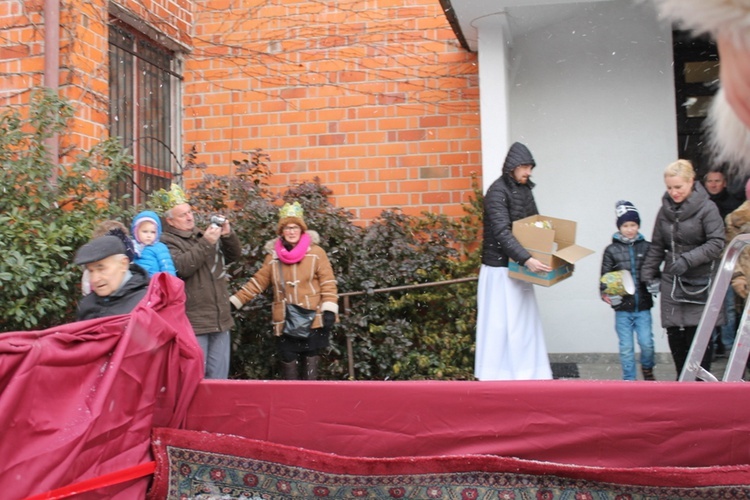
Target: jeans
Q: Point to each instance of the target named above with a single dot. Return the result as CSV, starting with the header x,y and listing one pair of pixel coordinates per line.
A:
x,y
216,351
727,332
626,324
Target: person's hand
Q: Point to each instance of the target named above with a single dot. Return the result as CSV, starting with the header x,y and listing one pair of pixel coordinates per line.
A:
x,y
226,228
678,267
615,300
536,266
739,285
212,234
653,287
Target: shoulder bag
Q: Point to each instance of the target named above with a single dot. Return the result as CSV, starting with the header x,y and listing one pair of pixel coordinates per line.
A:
x,y
297,320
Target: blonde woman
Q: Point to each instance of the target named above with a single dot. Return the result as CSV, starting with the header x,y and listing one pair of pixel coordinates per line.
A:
x,y
688,239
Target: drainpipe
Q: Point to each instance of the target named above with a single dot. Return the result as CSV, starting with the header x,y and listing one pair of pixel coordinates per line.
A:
x,y
52,70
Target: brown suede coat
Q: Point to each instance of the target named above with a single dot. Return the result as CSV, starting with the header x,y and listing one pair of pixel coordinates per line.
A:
x,y
738,222
309,283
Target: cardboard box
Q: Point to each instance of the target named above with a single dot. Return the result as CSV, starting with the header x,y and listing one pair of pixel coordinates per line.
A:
x,y
555,246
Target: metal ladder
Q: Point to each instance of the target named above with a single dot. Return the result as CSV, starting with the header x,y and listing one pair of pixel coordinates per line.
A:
x,y
738,358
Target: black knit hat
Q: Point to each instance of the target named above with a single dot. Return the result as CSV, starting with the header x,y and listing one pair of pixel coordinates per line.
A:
x,y
626,212
518,155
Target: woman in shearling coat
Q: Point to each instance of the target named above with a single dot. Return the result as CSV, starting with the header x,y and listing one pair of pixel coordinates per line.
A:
x,y
308,281
688,238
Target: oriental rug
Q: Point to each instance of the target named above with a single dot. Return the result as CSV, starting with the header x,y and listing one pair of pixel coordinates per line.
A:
x,y
202,465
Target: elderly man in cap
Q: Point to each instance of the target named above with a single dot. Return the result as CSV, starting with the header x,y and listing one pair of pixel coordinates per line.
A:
x,y
116,284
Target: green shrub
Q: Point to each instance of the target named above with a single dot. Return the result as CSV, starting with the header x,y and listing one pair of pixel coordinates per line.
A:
x,y
418,333
44,219
406,333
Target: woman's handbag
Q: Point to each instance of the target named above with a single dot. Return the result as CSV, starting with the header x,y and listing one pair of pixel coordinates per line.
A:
x,y
297,320
691,289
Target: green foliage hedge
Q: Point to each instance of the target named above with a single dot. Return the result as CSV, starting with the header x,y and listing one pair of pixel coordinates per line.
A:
x,y
404,334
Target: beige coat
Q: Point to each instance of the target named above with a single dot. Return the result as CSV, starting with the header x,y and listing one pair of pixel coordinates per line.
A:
x,y
738,222
309,283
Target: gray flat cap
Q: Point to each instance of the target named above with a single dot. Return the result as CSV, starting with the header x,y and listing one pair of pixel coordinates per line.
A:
x,y
98,249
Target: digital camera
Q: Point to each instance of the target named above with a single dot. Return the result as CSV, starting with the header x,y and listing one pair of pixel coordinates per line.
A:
x,y
218,220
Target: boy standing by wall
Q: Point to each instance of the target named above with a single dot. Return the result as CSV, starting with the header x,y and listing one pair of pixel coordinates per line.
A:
x,y
632,312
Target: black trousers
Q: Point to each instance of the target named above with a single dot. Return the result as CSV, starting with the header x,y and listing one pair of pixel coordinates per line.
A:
x,y
680,339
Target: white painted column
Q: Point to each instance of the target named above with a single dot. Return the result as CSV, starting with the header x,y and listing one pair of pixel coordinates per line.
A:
x,y
493,52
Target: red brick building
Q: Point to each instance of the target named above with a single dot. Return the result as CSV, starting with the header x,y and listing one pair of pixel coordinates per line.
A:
x,y
376,98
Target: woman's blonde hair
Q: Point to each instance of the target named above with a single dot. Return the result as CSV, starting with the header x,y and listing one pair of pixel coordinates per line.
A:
x,y
680,168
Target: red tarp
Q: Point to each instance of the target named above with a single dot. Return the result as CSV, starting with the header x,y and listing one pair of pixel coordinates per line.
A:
x,y
594,423
79,401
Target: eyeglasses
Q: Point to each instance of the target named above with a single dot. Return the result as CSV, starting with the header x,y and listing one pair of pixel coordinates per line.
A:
x,y
292,229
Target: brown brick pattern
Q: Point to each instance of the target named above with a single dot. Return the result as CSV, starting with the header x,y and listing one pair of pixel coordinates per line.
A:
x,y
374,97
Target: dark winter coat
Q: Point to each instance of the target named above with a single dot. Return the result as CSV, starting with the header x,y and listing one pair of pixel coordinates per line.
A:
x,y
694,230
201,266
726,202
506,201
622,255
122,301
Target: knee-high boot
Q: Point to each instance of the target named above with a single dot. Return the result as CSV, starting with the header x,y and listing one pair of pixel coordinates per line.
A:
x,y
310,367
290,370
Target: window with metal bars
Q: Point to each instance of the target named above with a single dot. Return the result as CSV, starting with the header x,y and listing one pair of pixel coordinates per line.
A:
x,y
143,90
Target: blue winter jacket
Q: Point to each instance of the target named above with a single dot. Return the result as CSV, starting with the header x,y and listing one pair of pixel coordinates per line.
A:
x,y
153,258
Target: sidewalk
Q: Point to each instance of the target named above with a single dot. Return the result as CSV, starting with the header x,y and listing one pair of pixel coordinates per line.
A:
x,y
606,366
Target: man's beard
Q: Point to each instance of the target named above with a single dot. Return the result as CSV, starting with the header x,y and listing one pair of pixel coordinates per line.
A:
x,y
729,137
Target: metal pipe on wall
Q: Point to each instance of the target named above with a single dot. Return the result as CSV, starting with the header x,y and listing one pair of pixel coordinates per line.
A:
x,y
52,69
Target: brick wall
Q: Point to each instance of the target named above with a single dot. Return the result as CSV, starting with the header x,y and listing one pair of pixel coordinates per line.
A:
x,y
83,56
376,98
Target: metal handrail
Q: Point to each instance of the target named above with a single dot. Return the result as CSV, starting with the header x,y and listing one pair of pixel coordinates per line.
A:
x,y
347,295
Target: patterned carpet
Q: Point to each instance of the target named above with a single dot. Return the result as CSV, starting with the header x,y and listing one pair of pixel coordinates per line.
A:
x,y
200,465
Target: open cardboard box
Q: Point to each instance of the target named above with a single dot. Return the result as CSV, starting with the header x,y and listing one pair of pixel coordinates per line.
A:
x,y
554,246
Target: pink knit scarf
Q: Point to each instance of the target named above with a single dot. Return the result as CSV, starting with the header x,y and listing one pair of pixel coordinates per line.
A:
x,y
294,255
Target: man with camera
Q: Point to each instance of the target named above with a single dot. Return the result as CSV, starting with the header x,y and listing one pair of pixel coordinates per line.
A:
x,y
200,257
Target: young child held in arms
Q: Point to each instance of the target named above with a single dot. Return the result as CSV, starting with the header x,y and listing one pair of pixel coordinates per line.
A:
x,y
632,311
151,254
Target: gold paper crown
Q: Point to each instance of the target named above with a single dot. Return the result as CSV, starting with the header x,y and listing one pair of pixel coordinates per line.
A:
x,y
163,200
291,210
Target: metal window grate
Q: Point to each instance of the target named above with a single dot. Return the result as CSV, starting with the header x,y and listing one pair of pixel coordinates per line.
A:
x,y
141,86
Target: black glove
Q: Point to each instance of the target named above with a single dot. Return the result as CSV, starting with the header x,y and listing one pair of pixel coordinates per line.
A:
x,y
328,320
678,267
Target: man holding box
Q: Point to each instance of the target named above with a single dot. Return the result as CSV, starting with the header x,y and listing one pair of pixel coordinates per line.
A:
x,y
510,339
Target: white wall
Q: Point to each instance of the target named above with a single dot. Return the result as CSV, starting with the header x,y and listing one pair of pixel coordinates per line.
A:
x,y
593,98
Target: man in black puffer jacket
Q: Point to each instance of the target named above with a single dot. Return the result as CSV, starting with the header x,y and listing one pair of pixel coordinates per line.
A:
x,y
510,340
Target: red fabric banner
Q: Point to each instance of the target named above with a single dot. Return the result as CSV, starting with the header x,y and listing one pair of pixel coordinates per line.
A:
x,y
593,423
79,401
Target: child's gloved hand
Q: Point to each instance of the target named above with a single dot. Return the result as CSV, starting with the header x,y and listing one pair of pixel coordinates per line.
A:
x,y
615,300
653,287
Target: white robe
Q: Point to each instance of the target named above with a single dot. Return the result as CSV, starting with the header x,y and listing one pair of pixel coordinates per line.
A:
x,y
510,339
